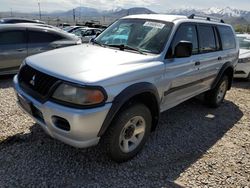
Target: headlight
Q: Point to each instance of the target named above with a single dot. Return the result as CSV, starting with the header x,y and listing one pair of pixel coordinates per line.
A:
x,y
77,95
244,60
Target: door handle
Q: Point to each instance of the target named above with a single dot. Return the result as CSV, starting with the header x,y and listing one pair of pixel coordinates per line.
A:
x,y
219,58
197,63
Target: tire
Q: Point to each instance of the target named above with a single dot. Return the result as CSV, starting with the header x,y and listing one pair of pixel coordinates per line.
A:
x,y
248,78
121,141
215,97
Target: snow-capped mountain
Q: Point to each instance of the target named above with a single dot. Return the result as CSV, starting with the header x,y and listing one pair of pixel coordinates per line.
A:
x,y
221,12
231,15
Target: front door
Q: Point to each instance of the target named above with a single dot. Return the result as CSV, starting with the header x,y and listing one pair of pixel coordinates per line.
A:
x,y
181,73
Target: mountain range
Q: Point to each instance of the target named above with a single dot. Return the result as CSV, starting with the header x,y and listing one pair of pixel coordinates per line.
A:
x,y
230,15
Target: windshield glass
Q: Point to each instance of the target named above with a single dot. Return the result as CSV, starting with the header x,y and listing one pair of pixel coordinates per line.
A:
x,y
67,28
244,42
145,35
79,32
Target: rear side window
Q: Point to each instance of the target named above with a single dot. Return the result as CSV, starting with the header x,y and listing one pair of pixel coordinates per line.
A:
x,y
43,37
227,37
207,39
12,37
186,33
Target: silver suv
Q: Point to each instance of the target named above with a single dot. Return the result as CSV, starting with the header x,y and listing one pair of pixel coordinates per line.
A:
x,y
113,90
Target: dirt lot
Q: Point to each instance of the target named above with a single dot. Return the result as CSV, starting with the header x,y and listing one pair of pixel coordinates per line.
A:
x,y
193,146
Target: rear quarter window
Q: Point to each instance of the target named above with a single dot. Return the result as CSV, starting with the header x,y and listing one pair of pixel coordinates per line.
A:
x,y
227,37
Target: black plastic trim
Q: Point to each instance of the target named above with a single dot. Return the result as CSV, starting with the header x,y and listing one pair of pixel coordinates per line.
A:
x,y
221,73
124,97
172,90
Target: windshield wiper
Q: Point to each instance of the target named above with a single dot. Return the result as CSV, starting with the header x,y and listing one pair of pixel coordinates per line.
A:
x,y
126,47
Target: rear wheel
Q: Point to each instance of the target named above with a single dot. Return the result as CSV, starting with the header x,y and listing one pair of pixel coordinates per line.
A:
x,y
128,133
216,96
248,78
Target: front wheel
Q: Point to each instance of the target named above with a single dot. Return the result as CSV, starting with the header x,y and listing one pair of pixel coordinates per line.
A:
x,y
216,96
128,133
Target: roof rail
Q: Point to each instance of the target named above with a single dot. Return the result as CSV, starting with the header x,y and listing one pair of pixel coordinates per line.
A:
x,y
195,16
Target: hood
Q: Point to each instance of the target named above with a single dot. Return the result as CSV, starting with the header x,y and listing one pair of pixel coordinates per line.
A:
x,y
244,53
88,63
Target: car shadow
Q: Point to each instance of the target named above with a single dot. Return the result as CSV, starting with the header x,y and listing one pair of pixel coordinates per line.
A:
x,y
241,83
184,134
6,81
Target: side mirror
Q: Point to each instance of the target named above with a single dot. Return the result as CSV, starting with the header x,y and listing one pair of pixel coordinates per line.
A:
x,y
183,49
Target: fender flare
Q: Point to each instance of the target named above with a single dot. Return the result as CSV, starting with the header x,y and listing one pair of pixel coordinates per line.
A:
x,y
124,96
222,71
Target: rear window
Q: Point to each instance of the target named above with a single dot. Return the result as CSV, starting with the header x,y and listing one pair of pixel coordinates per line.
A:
x,y
227,37
12,37
43,37
207,39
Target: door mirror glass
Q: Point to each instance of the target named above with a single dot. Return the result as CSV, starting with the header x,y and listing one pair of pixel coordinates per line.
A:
x,y
183,49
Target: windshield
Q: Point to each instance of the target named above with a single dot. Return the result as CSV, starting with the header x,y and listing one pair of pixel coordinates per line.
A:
x,y
79,32
67,28
244,42
145,35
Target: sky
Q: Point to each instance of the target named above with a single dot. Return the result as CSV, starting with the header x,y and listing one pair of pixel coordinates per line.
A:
x,y
155,5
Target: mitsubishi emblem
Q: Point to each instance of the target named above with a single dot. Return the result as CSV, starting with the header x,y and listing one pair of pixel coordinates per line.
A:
x,y
32,81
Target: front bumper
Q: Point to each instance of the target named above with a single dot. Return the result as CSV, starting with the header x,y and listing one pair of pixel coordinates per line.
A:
x,y
242,70
84,124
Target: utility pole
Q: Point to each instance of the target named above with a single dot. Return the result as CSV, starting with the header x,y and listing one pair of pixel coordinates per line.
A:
x,y
74,15
39,7
80,11
11,13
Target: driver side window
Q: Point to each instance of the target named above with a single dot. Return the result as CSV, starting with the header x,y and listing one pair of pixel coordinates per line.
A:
x,y
186,33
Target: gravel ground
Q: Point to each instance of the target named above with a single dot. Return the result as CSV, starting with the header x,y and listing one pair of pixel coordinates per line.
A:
x,y
193,146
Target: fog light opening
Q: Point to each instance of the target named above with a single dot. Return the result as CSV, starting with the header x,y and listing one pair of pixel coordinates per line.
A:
x,y
61,123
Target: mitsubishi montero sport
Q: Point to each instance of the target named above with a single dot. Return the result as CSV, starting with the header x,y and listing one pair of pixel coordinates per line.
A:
x,y
113,89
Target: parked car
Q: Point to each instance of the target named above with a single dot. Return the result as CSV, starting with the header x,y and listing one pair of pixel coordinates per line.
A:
x,y
19,20
70,29
243,67
17,41
114,93
86,34
63,25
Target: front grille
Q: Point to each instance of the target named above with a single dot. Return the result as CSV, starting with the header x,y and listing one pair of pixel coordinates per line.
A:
x,y
36,83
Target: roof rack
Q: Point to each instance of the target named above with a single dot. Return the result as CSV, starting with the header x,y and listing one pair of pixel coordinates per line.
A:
x,y
203,17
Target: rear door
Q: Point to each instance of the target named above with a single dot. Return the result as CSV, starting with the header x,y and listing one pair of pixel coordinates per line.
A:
x,y
13,49
41,40
211,58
